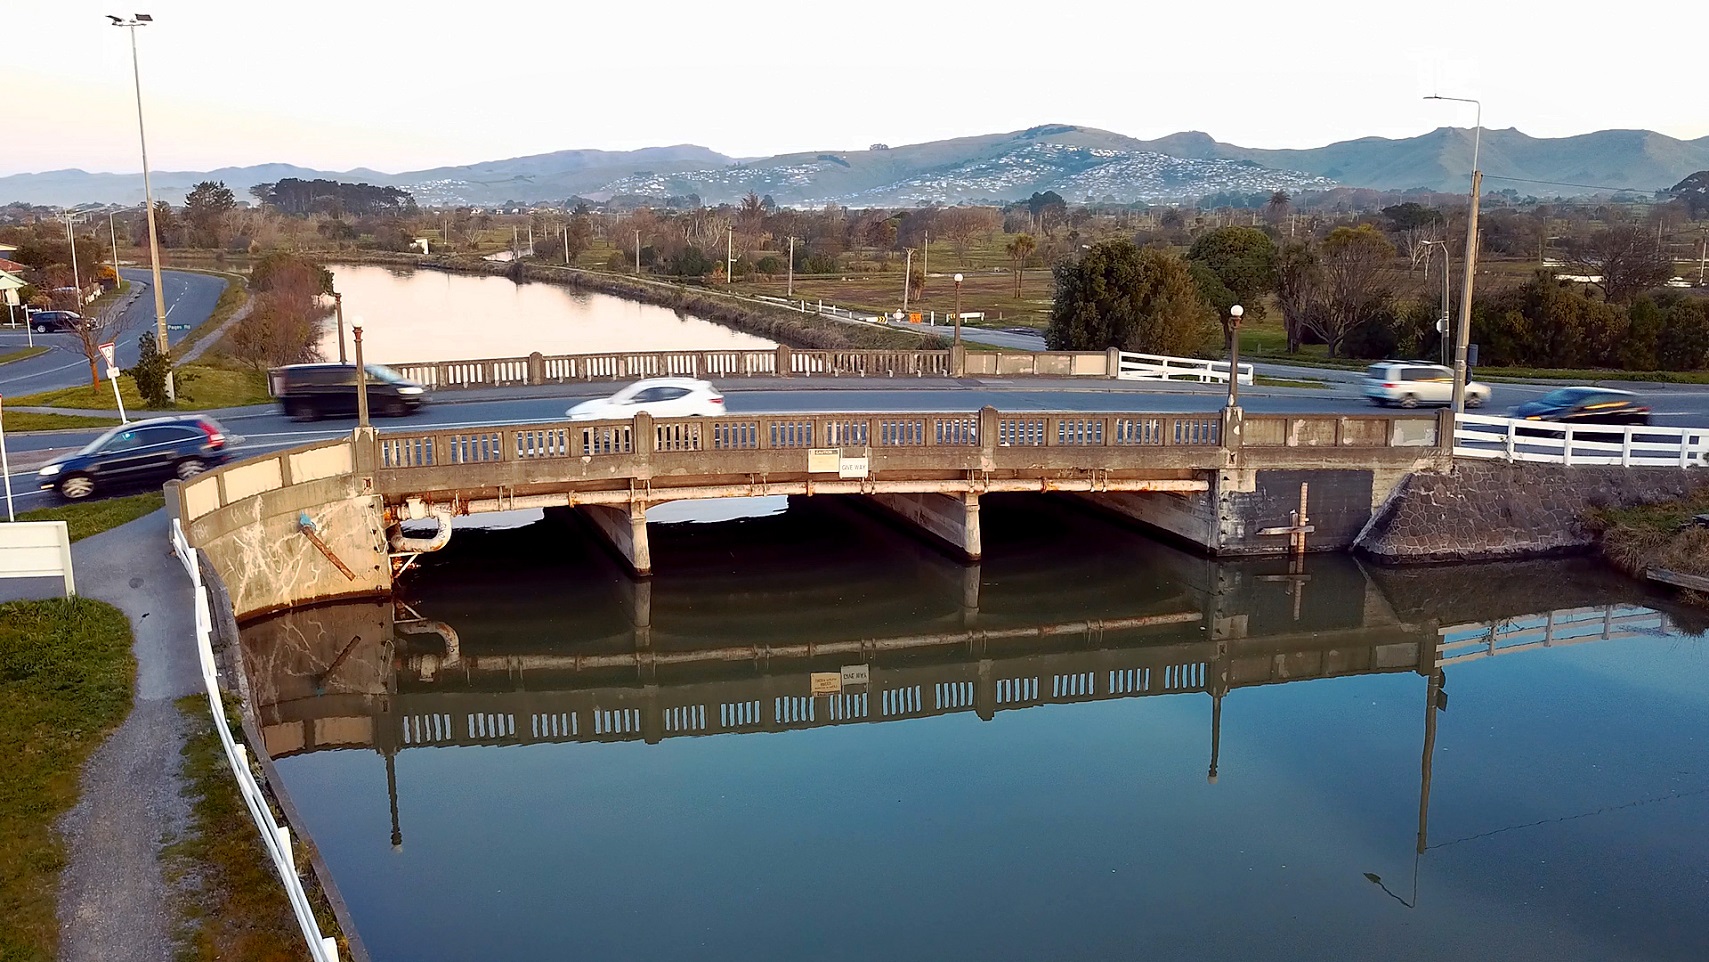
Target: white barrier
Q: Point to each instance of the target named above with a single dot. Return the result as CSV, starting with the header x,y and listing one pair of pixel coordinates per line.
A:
x,y
1163,367
275,838
1550,442
37,549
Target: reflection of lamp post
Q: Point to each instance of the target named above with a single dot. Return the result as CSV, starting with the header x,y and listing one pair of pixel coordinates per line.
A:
x,y
958,309
136,21
1233,325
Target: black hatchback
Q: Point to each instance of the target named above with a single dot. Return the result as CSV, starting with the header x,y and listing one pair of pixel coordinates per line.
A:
x,y
1585,405
311,391
139,454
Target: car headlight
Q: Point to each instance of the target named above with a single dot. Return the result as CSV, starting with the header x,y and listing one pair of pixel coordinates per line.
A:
x,y
50,470
409,390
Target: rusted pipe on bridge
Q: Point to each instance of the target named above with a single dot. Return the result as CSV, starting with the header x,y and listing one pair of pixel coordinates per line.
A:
x,y
811,487
417,510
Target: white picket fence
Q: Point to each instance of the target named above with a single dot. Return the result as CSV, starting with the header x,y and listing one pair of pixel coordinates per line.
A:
x,y
275,838
1626,445
1162,367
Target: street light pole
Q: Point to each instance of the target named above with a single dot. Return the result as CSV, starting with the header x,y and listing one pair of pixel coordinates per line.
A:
x,y
790,291
958,310
729,255
76,278
134,22
1234,314
1442,321
1463,336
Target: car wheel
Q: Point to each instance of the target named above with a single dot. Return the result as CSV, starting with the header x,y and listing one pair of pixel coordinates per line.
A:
x,y
189,468
301,411
1474,400
41,328
1409,401
76,487
396,409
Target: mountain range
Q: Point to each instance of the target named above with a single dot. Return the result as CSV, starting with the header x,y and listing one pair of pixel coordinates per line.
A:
x,y
1080,163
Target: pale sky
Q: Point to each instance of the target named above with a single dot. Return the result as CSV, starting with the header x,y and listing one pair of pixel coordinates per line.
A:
x,y
403,86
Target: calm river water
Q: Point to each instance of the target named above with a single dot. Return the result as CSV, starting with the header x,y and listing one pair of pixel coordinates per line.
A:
x,y
1092,746
410,315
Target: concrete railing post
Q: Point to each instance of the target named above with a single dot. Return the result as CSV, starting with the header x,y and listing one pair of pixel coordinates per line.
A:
x,y
987,438
1445,425
643,441
1233,421
1113,362
783,360
958,360
536,369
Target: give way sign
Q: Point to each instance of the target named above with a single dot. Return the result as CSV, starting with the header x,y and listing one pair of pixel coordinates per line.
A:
x,y
107,352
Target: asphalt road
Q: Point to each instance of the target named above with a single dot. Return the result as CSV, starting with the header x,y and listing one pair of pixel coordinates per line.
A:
x,y
264,428
190,299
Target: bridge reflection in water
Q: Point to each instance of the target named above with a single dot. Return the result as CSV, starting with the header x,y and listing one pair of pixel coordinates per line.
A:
x,y
511,641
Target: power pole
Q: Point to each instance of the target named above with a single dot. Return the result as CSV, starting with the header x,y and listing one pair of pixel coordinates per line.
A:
x,y
926,255
566,245
76,279
1463,335
637,252
907,278
729,255
790,292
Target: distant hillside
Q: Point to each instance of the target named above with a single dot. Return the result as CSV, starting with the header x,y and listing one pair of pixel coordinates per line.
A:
x,y
1077,162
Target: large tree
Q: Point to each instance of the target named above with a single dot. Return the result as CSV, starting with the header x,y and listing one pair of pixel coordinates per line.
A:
x,y
1299,276
1415,224
206,207
1351,294
1628,259
1243,259
1019,249
1119,295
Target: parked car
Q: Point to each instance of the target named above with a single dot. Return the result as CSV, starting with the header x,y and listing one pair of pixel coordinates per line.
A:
x,y
1411,383
47,322
662,397
310,391
141,453
1585,405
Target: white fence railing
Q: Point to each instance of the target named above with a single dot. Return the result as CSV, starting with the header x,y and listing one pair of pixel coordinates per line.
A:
x,y
1162,367
1549,442
275,838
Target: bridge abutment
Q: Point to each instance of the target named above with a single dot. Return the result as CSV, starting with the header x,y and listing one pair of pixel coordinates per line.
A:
x,y
950,520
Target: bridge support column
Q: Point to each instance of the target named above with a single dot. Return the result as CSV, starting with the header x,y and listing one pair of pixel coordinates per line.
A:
x,y
626,531
952,520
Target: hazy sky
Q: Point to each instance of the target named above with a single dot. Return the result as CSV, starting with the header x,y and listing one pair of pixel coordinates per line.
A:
x,y
399,86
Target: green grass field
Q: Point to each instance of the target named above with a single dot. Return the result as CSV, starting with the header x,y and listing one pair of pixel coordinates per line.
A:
x,y
22,353
94,517
200,388
65,681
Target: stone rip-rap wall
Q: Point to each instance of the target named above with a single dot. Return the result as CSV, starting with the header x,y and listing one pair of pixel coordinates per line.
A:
x,y
1486,511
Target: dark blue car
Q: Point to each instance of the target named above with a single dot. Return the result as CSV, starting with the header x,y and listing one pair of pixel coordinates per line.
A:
x,y
1585,405
139,454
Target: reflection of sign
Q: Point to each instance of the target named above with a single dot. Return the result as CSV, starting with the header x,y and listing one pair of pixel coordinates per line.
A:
x,y
107,352
823,460
827,683
856,674
852,468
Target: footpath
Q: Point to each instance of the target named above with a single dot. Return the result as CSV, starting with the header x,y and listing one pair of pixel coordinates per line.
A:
x,y
114,900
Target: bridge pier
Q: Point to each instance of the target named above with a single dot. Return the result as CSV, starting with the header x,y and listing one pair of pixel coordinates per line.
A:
x,y
951,520
625,530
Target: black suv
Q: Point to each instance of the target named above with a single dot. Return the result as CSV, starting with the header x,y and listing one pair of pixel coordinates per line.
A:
x,y
139,454
46,322
310,391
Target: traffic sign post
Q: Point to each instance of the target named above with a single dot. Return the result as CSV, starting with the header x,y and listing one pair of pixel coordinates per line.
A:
x,y
6,469
108,351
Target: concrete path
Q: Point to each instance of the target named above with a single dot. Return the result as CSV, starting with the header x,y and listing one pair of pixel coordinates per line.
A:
x,y
114,901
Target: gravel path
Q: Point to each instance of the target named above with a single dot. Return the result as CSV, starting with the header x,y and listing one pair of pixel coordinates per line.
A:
x,y
113,900
208,340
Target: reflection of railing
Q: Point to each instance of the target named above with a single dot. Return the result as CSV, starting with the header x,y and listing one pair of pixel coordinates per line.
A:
x,y
1568,626
1626,445
275,838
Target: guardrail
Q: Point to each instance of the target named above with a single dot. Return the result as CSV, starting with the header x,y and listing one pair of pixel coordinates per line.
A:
x,y
275,838
538,369
1164,367
1550,442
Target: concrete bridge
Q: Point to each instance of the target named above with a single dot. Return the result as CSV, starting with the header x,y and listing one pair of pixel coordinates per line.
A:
x,y
328,520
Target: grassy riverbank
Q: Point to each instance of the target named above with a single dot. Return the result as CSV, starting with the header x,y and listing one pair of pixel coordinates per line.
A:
x,y
66,673
806,331
1637,539
231,903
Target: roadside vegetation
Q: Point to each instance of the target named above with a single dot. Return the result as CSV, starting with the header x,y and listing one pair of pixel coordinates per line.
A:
x,y
23,353
201,387
38,421
231,904
93,517
66,674
1663,536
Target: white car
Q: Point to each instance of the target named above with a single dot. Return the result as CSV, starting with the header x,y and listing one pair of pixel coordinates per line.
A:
x,y
661,397
1411,383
